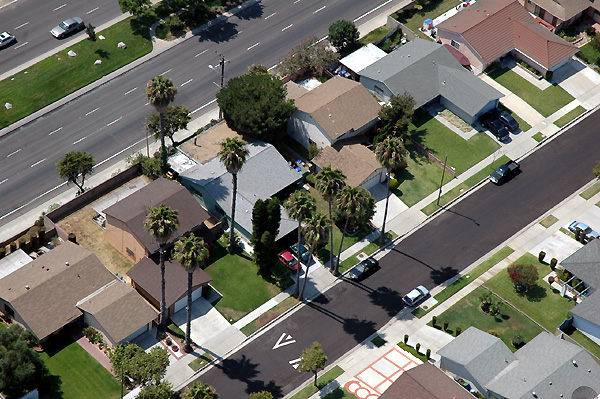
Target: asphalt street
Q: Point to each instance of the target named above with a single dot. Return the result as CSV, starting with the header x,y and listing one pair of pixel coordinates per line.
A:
x,y
350,312
31,21
110,119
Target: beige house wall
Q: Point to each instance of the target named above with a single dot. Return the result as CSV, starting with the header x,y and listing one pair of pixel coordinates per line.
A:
x,y
477,63
119,236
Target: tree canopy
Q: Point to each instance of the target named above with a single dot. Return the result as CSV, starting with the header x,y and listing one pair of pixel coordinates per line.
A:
x,y
175,118
75,165
312,360
200,390
396,115
134,7
255,104
133,366
261,395
343,35
597,170
310,53
523,274
159,390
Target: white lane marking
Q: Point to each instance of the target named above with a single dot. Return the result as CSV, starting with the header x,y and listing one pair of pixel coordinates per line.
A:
x,y
287,27
54,131
165,72
200,53
283,341
38,162
92,10
296,1
295,363
21,45
127,92
205,105
184,83
92,111
3,181
80,140
6,5
320,9
20,26
270,16
375,9
254,45
115,121
13,153
216,84
59,7
146,104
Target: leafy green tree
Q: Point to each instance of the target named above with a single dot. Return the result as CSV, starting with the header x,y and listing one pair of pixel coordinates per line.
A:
x,y
21,367
75,165
90,30
261,395
161,223
200,390
159,390
316,231
523,275
390,153
161,92
260,216
265,253
329,182
255,104
257,69
150,165
266,216
299,206
273,216
133,366
191,252
311,54
175,118
233,155
134,7
343,35
312,360
396,116
597,167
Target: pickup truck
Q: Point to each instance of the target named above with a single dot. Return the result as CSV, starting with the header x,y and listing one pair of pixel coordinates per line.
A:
x,y
505,172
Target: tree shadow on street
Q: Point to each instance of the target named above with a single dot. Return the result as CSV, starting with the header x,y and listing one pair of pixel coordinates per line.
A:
x,y
239,369
271,387
440,275
359,329
253,11
387,299
220,32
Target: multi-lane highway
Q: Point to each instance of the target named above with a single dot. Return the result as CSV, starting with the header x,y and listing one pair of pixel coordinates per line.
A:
x,y
31,21
110,119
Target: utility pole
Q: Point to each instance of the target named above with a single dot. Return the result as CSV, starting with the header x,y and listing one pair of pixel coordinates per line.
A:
x,y
442,182
222,62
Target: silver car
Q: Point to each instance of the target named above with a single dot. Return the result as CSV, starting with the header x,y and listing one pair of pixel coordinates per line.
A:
x,y
6,39
67,26
415,296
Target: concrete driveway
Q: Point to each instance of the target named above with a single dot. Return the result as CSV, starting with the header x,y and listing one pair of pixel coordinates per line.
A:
x,y
559,246
395,208
576,78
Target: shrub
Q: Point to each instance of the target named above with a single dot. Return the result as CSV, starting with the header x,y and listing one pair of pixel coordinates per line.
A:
x,y
313,151
550,280
35,242
575,282
517,341
2,252
418,346
22,242
311,179
72,237
175,23
93,335
458,331
541,256
428,353
405,338
493,332
394,184
433,320
13,246
578,234
446,323
523,274
553,263
590,31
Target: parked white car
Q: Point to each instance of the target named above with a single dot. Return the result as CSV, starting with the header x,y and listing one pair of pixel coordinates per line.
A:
x,y
6,39
415,296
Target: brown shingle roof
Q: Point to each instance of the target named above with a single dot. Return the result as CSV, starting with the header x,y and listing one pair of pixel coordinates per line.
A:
x,y
495,27
54,288
564,9
339,106
119,309
355,160
425,382
133,210
146,275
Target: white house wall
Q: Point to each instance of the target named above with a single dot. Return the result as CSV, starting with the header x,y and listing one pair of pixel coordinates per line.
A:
x,y
136,334
302,127
182,303
369,84
590,329
376,177
461,371
470,119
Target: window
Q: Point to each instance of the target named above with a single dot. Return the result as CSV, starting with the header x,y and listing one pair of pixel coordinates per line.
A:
x,y
378,90
454,44
130,252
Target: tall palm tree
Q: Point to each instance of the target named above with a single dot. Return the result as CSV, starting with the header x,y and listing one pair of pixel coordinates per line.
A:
x,y
191,252
329,182
299,206
390,154
161,92
233,155
353,203
315,229
161,223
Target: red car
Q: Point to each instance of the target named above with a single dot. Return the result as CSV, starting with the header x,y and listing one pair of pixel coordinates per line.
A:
x,y
288,260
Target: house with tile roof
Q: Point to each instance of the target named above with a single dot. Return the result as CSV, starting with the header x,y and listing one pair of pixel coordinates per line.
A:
x,y
491,29
545,367
70,285
429,72
562,13
335,110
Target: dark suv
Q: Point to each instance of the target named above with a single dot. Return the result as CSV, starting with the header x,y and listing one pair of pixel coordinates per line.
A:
x,y
495,125
505,172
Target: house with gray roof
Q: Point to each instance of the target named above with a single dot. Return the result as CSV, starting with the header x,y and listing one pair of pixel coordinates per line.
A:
x,y
429,72
546,367
264,175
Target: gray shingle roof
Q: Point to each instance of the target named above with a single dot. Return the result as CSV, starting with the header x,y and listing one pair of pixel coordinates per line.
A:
x,y
589,309
585,263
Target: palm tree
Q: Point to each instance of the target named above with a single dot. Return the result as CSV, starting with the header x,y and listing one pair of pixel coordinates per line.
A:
x,y
192,253
315,230
329,183
233,155
390,154
161,92
299,206
161,223
354,203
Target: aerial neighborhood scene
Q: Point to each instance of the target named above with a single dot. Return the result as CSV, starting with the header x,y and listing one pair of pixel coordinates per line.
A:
x,y
395,199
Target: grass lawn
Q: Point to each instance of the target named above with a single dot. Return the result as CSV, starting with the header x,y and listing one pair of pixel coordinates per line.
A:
x,y
201,361
467,313
59,74
524,126
439,140
546,102
78,374
368,250
374,35
569,116
465,279
464,186
549,221
269,315
540,302
538,137
588,54
591,191
584,341
413,351
323,380
415,19
237,278
339,393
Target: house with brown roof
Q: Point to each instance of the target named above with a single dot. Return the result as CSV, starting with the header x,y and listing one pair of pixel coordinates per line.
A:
x,y
335,110
562,13
145,277
491,29
356,161
67,285
125,219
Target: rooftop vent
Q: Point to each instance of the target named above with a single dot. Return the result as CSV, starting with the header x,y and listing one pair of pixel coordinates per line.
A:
x,y
534,394
67,263
574,363
26,287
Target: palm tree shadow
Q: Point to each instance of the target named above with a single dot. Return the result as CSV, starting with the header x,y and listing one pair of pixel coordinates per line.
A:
x,y
359,329
387,299
440,275
241,369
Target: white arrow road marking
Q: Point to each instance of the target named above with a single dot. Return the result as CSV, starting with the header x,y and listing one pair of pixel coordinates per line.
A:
x,y
295,363
281,342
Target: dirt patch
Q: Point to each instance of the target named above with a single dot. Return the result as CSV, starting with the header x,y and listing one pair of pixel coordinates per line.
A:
x,y
230,313
456,121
